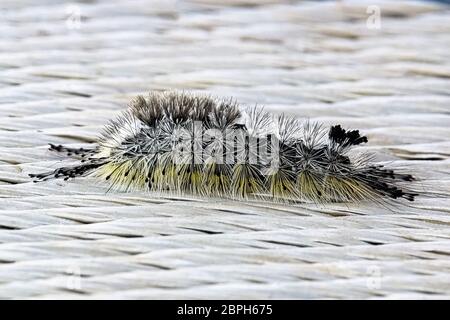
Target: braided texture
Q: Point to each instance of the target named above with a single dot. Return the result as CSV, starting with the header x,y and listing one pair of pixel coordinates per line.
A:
x,y
62,79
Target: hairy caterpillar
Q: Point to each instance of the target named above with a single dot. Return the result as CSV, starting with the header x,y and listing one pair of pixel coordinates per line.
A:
x,y
184,143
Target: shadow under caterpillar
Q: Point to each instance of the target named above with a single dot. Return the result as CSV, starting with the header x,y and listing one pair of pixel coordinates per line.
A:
x,y
194,144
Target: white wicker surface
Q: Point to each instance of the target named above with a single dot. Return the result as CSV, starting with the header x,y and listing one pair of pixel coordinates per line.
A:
x,y
62,78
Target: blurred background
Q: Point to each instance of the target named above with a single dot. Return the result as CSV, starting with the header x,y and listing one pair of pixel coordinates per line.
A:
x,y
323,59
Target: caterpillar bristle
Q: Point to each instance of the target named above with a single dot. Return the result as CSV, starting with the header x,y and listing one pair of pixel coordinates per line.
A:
x,y
193,144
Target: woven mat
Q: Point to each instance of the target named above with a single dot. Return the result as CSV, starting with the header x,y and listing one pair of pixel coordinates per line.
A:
x,y
65,69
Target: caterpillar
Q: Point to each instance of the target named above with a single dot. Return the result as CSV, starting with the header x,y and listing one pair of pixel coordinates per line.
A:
x,y
195,144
